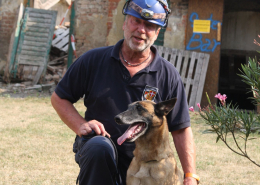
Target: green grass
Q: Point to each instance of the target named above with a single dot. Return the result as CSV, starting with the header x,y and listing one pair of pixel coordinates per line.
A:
x,y
36,148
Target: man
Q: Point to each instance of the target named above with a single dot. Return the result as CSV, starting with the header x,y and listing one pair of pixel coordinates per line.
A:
x,y
112,77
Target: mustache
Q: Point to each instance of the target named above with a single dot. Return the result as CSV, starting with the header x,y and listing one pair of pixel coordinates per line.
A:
x,y
140,37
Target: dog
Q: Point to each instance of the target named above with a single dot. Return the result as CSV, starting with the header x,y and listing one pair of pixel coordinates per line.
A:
x,y
153,162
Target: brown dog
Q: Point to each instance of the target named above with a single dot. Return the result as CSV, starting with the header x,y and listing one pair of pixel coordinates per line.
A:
x,y
153,162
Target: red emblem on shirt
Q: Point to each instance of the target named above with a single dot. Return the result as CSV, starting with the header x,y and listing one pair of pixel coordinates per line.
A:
x,y
149,93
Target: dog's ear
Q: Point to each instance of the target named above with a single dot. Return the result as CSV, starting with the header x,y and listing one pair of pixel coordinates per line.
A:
x,y
163,108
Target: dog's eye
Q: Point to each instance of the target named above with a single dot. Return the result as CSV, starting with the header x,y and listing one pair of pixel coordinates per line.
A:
x,y
138,107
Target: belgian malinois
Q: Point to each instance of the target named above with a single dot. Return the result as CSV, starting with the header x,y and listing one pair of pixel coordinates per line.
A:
x,y
153,162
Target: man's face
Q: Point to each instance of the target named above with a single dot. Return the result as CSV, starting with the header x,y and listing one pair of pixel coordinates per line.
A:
x,y
139,34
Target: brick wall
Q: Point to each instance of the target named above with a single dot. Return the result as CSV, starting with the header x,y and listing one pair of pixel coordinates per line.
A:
x,y
112,5
8,13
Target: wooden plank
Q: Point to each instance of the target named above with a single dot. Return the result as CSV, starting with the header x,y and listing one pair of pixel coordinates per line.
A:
x,y
38,15
32,53
189,76
194,92
52,69
20,71
58,31
36,44
38,25
184,80
38,75
35,38
160,50
32,63
174,53
205,59
179,60
65,48
185,64
165,53
62,43
37,29
191,66
29,76
34,48
26,72
26,57
36,34
54,61
34,70
39,20
64,34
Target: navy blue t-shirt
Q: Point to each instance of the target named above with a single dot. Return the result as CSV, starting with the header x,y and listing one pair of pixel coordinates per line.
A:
x,y
108,88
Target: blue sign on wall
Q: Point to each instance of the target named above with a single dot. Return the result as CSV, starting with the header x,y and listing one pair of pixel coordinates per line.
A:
x,y
205,45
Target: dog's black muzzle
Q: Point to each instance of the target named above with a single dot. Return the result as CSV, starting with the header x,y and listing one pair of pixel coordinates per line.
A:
x,y
118,119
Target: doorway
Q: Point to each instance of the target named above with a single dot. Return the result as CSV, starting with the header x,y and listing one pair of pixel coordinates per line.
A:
x,y
240,28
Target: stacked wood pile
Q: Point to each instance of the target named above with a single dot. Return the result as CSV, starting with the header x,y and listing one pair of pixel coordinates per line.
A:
x,y
56,69
57,64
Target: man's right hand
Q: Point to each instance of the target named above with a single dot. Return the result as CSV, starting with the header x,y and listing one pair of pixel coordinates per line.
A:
x,y
87,127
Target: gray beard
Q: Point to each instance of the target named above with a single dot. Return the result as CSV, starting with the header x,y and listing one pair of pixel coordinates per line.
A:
x,y
138,48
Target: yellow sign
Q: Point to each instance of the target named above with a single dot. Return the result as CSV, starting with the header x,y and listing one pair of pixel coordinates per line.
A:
x,y
201,26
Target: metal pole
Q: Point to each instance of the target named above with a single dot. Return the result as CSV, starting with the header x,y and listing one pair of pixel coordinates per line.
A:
x,y
28,3
72,24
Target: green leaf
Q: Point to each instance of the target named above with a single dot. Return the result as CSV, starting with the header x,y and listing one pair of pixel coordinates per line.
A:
x,y
252,138
208,131
208,99
217,139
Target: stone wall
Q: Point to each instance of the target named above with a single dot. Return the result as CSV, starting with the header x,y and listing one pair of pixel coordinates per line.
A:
x,y
174,36
8,12
115,33
90,24
99,23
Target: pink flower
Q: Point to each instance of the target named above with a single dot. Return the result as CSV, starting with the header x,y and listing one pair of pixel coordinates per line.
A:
x,y
222,98
218,95
198,104
191,109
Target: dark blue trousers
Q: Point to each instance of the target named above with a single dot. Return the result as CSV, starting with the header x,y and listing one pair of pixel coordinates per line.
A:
x,y
97,157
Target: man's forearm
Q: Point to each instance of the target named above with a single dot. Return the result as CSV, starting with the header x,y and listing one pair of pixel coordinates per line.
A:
x,y
183,140
67,112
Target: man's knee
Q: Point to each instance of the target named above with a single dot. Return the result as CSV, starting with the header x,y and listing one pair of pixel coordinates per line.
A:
x,y
96,149
97,156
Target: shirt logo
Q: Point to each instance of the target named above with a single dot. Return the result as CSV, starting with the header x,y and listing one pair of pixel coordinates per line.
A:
x,y
149,93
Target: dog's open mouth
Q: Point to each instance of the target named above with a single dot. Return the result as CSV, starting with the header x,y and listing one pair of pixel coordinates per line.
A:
x,y
133,132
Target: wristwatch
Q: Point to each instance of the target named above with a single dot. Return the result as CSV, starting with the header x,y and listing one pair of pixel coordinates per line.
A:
x,y
193,176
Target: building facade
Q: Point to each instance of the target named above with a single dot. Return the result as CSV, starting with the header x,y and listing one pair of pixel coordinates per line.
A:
x,y
233,27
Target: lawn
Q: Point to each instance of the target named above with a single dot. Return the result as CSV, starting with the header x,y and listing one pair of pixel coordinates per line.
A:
x,y
36,148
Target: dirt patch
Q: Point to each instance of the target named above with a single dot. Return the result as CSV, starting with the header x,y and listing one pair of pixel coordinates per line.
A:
x,y
22,90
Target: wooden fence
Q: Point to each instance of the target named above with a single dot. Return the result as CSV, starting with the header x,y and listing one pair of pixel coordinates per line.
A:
x,y
192,67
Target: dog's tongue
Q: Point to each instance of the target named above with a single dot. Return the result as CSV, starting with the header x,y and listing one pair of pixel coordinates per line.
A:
x,y
126,135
